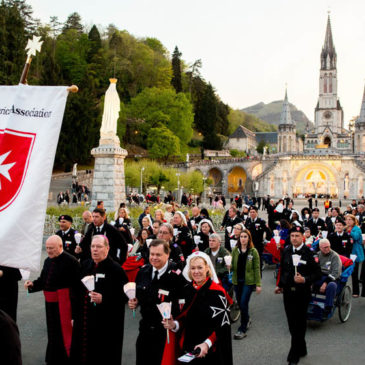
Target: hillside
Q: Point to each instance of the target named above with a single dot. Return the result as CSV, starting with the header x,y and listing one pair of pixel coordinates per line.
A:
x,y
270,113
250,121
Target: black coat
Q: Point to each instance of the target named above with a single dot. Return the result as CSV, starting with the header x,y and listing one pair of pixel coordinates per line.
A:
x,y
257,230
127,225
98,329
184,240
315,227
230,222
61,272
10,347
68,241
117,243
152,336
205,315
9,290
309,268
341,244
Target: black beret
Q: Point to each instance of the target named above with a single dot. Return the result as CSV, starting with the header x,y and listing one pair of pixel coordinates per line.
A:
x,y
65,218
340,220
295,228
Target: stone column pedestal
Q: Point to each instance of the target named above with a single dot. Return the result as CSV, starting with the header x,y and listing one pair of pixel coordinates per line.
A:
x,y
109,179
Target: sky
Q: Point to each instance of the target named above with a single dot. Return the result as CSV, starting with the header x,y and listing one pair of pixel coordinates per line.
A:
x,y
250,50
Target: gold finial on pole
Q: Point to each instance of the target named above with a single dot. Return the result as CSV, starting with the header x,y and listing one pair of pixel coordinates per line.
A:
x,y
73,89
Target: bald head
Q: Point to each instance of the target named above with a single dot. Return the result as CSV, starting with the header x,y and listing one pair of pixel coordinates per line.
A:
x,y
87,216
54,246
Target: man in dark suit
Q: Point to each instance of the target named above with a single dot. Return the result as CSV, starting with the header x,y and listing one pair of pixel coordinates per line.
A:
x,y
229,222
67,234
295,283
157,282
117,243
340,240
331,219
257,228
316,224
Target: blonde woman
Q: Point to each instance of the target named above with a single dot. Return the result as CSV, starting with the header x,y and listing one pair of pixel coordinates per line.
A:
x,y
204,321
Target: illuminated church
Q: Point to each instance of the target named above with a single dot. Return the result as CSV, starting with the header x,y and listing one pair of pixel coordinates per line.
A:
x,y
331,158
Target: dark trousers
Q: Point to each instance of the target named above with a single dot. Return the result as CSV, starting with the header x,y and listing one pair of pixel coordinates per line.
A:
x,y
355,280
330,290
150,345
243,295
296,306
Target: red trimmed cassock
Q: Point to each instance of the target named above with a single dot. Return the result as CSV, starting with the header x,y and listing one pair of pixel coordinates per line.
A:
x,y
59,280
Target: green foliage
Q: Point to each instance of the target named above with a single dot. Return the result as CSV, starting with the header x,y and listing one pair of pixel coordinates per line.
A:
x,y
261,145
176,70
238,117
73,22
163,107
162,143
236,153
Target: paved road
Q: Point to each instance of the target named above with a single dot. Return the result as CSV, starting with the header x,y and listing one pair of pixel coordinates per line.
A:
x,y
267,342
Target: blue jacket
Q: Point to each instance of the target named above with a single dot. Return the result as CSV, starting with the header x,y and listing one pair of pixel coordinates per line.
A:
x,y
357,248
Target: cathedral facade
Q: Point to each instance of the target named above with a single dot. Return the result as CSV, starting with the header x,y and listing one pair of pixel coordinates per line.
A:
x,y
330,161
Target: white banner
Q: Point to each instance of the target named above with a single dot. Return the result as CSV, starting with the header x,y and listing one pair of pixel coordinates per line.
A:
x,y
30,123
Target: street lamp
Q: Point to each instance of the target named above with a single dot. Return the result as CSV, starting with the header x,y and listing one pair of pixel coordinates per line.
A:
x,y
142,169
178,186
204,195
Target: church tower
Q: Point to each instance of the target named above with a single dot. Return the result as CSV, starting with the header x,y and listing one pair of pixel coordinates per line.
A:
x,y
328,112
359,136
287,131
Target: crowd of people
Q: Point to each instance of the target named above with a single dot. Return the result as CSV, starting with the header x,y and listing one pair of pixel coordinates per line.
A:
x,y
79,193
184,271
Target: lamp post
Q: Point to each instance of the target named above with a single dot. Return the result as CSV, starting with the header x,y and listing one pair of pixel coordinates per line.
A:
x,y
178,186
142,169
204,195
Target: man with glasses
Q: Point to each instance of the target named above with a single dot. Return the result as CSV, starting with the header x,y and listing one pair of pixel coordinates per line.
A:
x,y
331,268
166,233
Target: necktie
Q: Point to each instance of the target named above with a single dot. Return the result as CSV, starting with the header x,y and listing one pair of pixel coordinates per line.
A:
x,y
155,277
97,230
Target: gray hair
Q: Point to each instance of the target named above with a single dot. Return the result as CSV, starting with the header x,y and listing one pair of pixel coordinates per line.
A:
x,y
323,241
215,236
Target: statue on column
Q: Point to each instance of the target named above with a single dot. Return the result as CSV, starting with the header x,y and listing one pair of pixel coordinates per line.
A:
x,y
108,130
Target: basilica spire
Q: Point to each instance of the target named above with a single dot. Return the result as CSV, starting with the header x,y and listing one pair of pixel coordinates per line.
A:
x,y
285,117
328,55
362,111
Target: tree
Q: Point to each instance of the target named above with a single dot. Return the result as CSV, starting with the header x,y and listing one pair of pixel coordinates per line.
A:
x,y
174,111
73,22
95,42
176,70
260,146
162,143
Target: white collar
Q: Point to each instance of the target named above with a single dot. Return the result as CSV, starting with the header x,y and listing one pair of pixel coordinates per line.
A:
x,y
100,228
65,232
160,271
298,248
214,253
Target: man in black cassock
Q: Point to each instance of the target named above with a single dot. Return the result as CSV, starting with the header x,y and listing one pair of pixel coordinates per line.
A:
x,y
157,282
117,244
99,322
9,278
295,284
67,234
59,280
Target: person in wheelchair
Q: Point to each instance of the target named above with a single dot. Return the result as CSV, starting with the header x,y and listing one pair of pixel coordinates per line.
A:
x,y
216,253
331,268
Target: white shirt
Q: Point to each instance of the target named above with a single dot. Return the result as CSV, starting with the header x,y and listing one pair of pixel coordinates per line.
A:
x,y
160,271
298,248
215,253
100,228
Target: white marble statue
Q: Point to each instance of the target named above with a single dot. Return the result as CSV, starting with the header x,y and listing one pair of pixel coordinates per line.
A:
x,y
111,110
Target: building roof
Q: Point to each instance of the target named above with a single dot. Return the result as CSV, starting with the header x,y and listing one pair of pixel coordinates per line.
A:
x,y
269,137
242,132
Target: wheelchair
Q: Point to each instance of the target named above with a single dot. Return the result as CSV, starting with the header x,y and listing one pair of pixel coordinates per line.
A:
x,y
343,300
